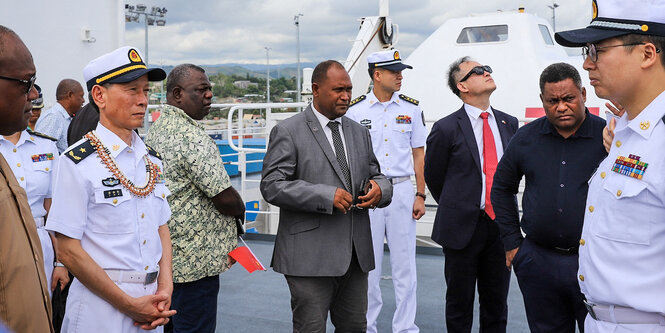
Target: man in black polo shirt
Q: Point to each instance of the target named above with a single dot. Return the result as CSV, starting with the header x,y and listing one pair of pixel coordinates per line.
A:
x,y
557,154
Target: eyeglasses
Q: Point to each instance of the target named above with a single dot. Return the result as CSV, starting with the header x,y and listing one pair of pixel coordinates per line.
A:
x,y
478,70
28,84
591,51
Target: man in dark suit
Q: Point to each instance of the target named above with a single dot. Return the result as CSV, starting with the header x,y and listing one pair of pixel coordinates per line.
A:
x,y
324,243
463,150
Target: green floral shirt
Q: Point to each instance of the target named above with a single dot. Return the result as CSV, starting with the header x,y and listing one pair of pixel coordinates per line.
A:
x,y
202,237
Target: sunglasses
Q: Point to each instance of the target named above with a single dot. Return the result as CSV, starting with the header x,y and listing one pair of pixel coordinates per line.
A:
x,y
478,70
28,84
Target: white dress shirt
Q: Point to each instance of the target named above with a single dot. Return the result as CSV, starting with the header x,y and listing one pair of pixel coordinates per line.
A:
x,y
477,124
323,120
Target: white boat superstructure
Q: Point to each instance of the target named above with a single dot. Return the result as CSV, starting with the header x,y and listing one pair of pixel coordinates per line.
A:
x,y
517,45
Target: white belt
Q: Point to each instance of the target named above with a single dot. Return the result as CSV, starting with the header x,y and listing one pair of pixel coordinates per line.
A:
x,y
39,221
623,315
131,276
397,180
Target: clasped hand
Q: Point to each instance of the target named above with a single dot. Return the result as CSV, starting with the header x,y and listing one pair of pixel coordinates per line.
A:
x,y
343,200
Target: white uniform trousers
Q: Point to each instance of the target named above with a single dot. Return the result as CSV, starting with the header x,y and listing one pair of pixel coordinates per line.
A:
x,y
47,251
87,312
397,225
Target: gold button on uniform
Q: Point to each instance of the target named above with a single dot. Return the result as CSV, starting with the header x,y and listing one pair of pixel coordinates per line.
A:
x,y
386,154
581,277
22,179
142,215
591,209
163,195
618,144
18,165
619,193
144,241
602,174
115,201
14,149
386,140
46,169
146,268
385,125
582,242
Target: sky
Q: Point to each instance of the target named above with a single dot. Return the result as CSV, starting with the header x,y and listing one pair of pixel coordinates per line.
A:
x,y
208,32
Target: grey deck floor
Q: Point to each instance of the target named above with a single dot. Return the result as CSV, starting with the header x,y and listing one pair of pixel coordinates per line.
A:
x,y
260,302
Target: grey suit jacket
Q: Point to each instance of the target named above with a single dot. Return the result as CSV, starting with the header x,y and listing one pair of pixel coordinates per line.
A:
x,y
301,175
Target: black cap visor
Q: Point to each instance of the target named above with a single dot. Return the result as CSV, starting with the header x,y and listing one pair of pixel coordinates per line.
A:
x,y
397,67
580,37
154,74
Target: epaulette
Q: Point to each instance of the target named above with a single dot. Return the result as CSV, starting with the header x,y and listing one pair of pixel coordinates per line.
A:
x,y
357,99
153,152
78,153
41,135
409,99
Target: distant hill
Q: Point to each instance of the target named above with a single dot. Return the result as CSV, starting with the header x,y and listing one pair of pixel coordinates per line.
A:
x,y
254,70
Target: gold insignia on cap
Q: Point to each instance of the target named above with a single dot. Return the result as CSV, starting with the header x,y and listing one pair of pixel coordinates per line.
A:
x,y
396,55
644,27
594,6
645,125
134,56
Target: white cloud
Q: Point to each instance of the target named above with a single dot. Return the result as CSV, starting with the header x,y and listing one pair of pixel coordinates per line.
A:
x,y
220,31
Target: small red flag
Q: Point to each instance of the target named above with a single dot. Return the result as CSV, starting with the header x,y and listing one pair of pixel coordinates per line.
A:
x,y
246,258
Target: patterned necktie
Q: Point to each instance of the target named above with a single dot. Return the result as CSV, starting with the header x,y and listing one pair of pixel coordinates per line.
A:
x,y
339,151
489,162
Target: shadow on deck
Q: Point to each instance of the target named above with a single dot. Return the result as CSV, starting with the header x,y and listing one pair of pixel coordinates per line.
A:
x,y
260,302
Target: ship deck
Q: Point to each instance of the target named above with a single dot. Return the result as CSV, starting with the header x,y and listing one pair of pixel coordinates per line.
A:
x,y
260,302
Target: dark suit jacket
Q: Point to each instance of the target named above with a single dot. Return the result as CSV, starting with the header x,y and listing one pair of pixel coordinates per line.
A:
x,y
301,175
453,174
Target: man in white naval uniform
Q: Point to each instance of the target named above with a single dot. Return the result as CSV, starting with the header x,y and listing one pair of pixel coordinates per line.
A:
x,y
110,210
397,129
622,249
33,158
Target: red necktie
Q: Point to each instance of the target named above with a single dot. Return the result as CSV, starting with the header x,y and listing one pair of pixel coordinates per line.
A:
x,y
489,163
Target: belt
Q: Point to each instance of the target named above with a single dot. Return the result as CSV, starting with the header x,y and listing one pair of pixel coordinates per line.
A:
x,y
568,251
622,315
39,221
131,276
560,250
397,180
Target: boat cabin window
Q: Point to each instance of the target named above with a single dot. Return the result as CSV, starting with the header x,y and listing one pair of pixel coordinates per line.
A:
x,y
484,34
546,34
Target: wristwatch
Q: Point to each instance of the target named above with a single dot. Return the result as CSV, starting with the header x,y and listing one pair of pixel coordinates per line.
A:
x,y
58,264
422,195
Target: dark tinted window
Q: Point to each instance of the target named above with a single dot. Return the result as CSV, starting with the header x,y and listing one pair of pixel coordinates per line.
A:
x,y
546,34
484,34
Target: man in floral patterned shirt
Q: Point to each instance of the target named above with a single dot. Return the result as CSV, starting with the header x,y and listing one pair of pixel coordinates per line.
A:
x,y
202,202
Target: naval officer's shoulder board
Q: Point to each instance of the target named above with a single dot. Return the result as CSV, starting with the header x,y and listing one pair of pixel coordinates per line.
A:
x,y
153,152
41,135
409,99
81,151
357,100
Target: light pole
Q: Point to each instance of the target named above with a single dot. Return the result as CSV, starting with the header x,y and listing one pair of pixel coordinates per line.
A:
x,y
553,7
267,74
296,21
154,17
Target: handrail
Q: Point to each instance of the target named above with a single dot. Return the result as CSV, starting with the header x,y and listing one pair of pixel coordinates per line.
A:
x,y
241,126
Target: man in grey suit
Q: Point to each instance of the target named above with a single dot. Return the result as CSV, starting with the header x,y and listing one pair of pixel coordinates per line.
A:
x,y
324,243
